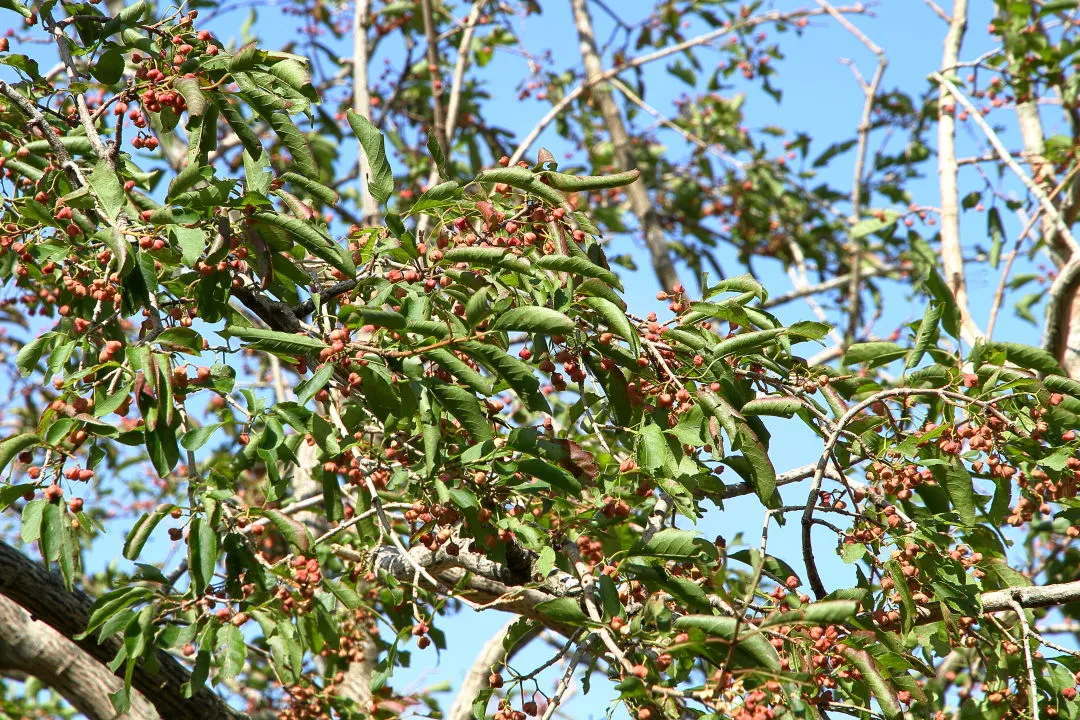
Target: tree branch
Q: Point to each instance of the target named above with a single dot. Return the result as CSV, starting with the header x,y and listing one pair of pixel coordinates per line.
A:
x,y
952,257
36,649
44,596
640,203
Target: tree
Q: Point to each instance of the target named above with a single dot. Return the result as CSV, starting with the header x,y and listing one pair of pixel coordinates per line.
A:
x,y
360,395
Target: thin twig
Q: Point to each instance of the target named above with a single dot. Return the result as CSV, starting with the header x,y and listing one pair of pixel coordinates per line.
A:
x,y
870,91
1033,689
1051,210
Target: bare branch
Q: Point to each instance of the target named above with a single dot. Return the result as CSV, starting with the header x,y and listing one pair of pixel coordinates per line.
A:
x,y
952,257
640,203
1048,207
362,100
1033,689
438,129
558,107
870,90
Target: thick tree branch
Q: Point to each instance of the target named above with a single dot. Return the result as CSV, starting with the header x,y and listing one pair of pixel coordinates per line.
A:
x,y
952,256
44,596
34,648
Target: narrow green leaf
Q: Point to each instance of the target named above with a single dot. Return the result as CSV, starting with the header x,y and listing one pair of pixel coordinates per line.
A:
x,y
275,341
535,320
315,189
293,532
14,445
820,613
381,182
310,387
577,266
232,651
52,518
996,230
106,185
139,534
464,406
32,514
202,553
751,639
653,449
195,438
312,239
874,353
615,319
564,610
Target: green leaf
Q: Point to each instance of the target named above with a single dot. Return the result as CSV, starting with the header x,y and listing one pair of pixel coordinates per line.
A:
x,y
873,225
312,239
464,406
751,640
202,553
564,610
310,387
192,242
442,195
109,67
195,438
673,543
381,182
347,595
231,651
315,189
777,406
52,519
927,334
996,230
14,445
535,320
762,472
653,449
139,534
907,603
879,686
30,353
180,337
193,97
1029,357
874,353
487,256
957,482
516,373
296,75
11,493
295,142
107,188
522,179
240,125
554,476
577,266
274,341
615,319
293,531
819,613
32,514
460,369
